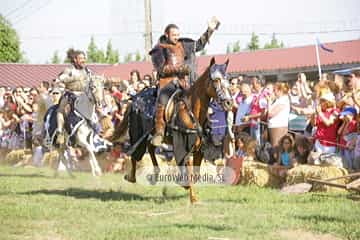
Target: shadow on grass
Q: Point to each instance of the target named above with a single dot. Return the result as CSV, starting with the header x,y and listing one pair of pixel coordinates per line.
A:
x,y
316,218
207,226
103,195
34,175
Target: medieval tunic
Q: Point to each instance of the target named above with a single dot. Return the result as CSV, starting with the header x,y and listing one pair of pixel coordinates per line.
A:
x,y
74,79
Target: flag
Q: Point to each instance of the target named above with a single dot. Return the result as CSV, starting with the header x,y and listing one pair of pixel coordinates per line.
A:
x,y
322,46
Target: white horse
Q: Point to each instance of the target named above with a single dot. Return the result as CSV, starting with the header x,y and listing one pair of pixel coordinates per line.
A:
x,y
78,127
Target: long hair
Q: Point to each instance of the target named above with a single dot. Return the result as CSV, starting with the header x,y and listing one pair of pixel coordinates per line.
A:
x,y
71,54
281,142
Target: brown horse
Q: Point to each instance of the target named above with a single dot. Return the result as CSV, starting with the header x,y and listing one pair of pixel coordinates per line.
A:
x,y
190,119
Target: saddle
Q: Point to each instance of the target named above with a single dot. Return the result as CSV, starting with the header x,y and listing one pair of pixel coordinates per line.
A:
x,y
170,106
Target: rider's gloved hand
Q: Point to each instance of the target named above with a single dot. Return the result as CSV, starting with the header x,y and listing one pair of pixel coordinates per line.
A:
x,y
213,23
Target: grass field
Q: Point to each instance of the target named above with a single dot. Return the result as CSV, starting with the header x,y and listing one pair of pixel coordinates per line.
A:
x,y
34,205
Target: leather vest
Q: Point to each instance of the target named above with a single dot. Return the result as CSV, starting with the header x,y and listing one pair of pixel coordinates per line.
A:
x,y
74,79
174,67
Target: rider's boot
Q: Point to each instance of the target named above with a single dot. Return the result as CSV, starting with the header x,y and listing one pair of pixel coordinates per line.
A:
x,y
60,138
158,137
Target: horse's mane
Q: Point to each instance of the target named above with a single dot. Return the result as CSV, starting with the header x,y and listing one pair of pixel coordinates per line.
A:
x,y
199,80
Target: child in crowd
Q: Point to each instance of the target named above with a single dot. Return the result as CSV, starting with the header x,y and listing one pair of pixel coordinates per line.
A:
x,y
302,149
240,144
355,145
285,156
347,131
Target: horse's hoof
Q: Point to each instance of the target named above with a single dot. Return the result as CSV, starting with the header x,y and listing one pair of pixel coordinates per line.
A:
x,y
129,179
195,201
185,187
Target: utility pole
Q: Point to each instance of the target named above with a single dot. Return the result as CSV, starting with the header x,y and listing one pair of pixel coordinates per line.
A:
x,y
148,29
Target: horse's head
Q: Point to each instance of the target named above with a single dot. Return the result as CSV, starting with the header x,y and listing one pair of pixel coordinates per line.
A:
x,y
218,87
95,89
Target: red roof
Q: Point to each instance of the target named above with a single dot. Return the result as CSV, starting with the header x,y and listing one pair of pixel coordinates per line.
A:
x,y
31,75
345,52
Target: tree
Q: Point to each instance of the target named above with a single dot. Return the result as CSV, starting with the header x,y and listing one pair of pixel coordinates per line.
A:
x,y
112,56
254,43
9,43
128,58
100,56
236,47
233,47
91,51
274,43
229,48
55,58
137,56
94,54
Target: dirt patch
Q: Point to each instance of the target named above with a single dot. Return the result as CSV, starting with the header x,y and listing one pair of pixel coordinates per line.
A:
x,y
304,235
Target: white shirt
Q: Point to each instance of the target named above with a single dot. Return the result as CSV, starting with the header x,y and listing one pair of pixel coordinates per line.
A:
x,y
282,118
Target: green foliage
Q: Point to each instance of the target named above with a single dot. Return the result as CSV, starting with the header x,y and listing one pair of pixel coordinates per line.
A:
x,y
233,47
55,58
94,54
229,48
254,43
34,205
9,43
128,58
274,43
138,56
112,56
236,47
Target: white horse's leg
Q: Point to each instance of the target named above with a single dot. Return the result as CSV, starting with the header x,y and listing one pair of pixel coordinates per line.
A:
x,y
62,158
81,136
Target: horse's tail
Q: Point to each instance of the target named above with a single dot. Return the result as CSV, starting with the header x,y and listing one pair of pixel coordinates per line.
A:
x,y
122,127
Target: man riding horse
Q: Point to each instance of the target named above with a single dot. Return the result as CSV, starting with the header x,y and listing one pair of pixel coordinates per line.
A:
x,y
174,60
73,79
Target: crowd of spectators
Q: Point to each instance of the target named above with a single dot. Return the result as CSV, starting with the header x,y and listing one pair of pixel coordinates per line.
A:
x,y
290,120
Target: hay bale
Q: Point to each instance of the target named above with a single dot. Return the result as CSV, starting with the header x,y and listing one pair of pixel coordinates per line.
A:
x,y
259,174
16,156
302,173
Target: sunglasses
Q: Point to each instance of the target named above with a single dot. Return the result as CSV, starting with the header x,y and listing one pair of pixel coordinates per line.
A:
x,y
55,93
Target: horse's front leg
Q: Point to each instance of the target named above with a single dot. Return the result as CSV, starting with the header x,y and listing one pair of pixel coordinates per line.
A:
x,y
198,156
95,168
65,160
191,180
82,139
132,176
151,149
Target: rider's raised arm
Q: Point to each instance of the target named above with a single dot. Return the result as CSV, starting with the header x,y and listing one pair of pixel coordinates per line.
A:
x,y
213,24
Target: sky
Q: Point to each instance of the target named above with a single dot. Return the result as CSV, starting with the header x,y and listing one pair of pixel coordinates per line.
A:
x,y
46,26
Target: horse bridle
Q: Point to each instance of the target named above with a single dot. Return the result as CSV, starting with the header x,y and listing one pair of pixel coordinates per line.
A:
x,y
223,98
